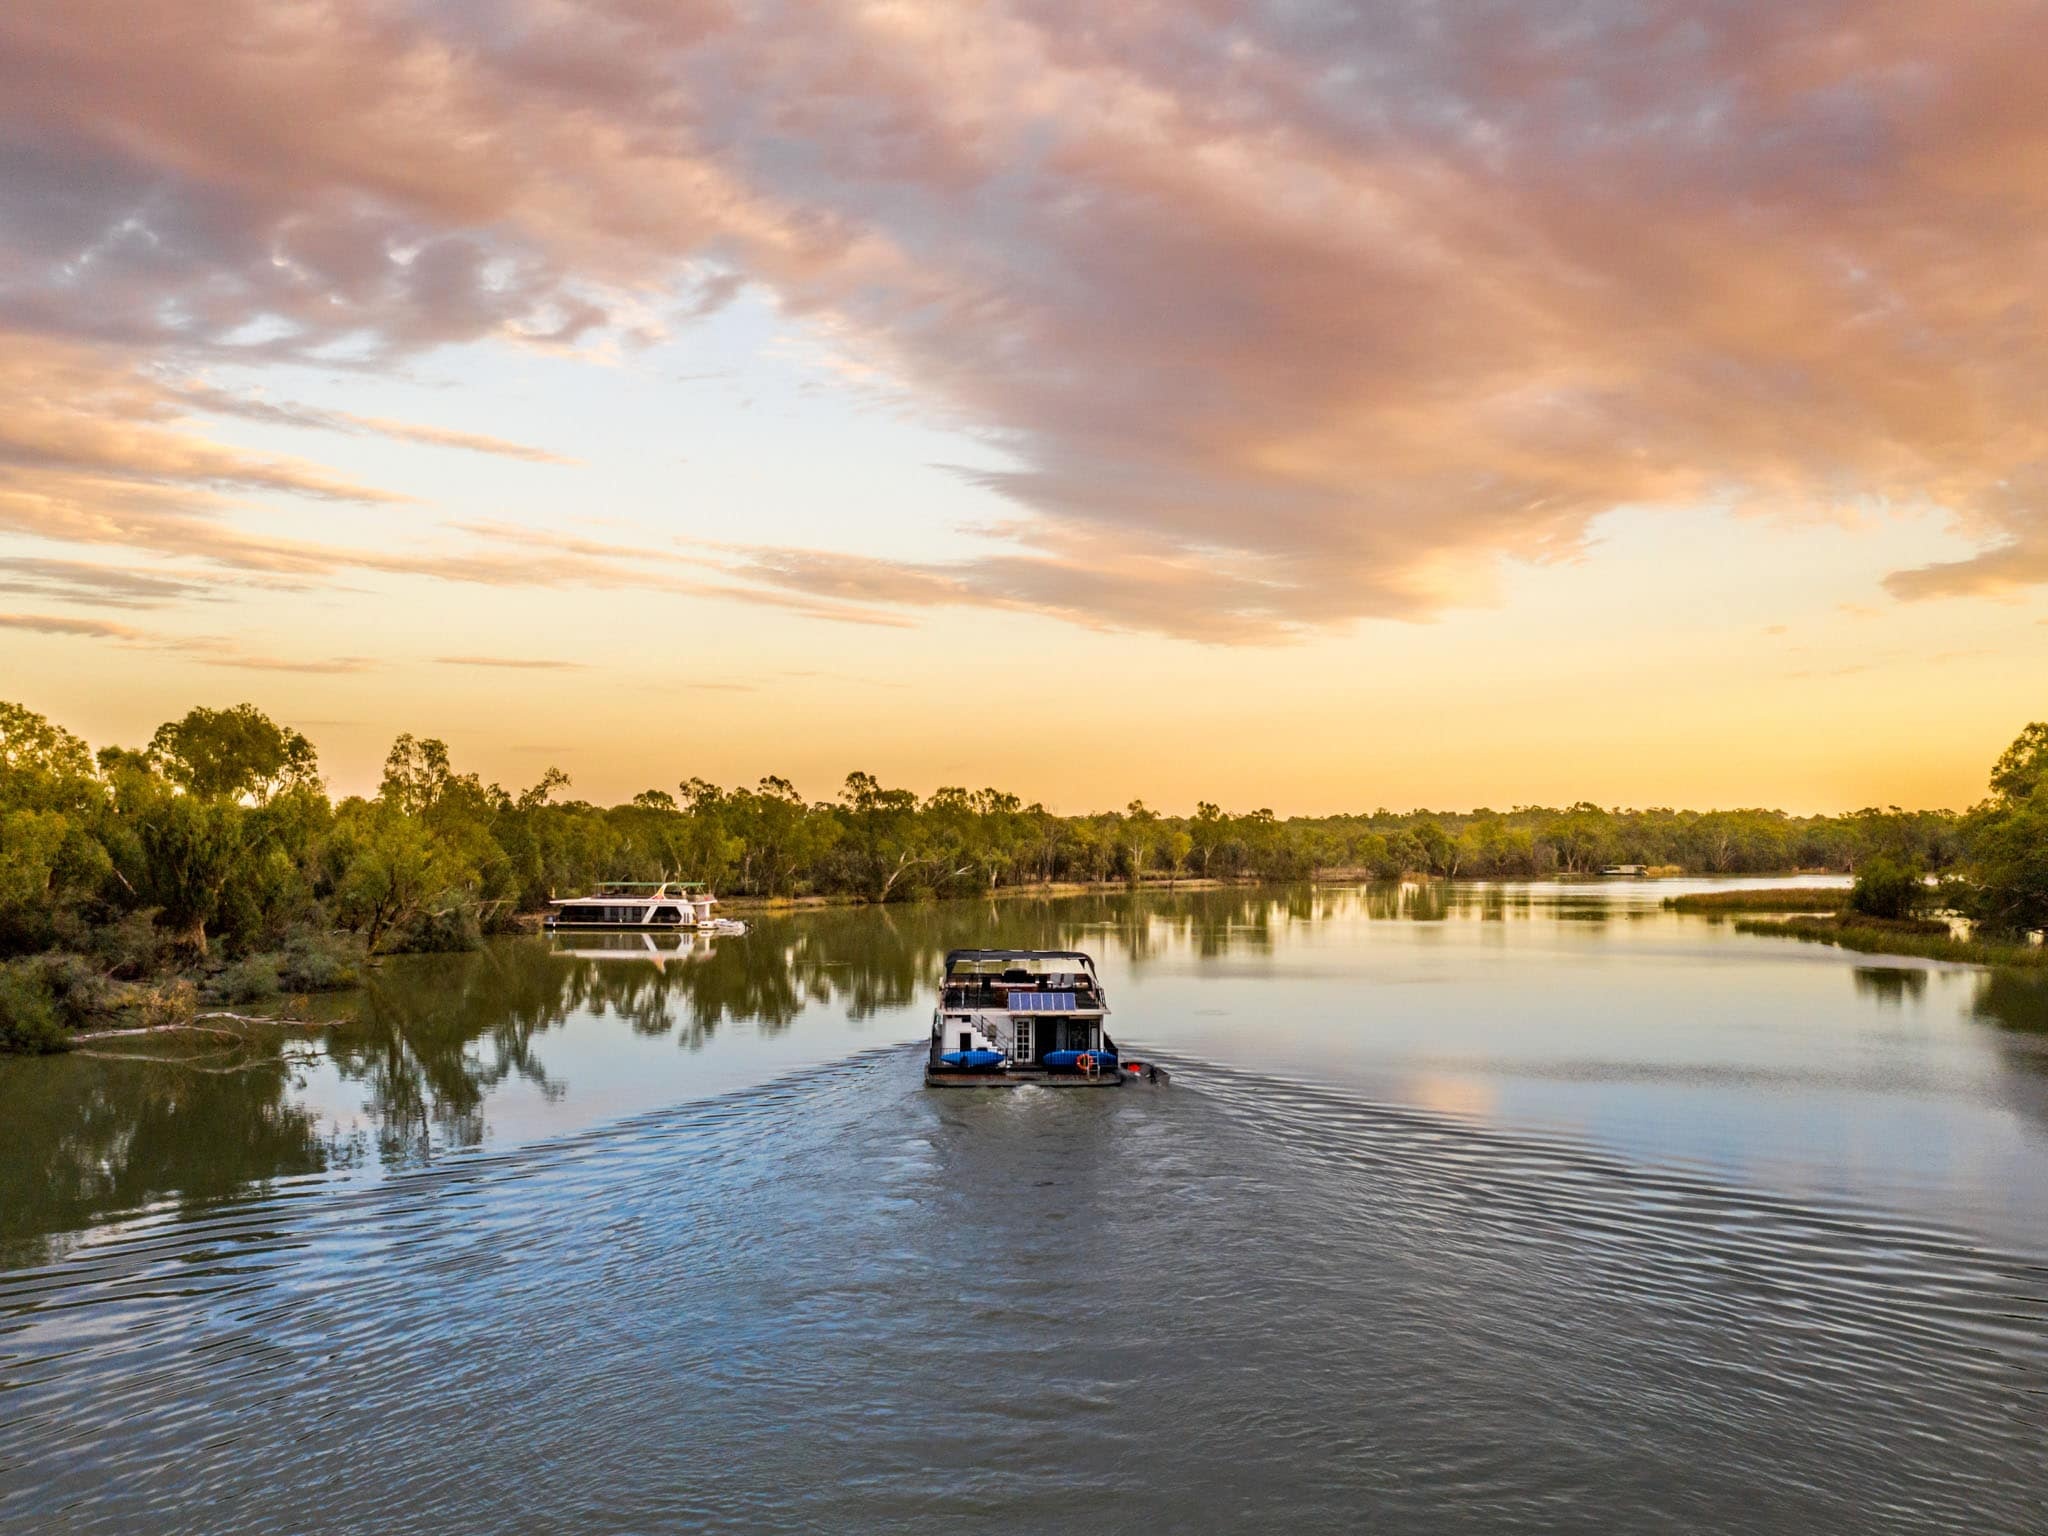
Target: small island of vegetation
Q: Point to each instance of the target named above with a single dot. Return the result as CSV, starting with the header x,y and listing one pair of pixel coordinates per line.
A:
x,y
210,867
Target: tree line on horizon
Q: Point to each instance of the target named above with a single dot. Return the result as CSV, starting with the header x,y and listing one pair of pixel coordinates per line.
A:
x,y
219,836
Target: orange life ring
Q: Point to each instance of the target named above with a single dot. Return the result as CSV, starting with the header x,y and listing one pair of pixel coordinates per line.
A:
x,y
1086,1062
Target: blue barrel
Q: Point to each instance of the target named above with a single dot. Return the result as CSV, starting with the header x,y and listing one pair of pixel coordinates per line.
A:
x,y
1068,1060
974,1058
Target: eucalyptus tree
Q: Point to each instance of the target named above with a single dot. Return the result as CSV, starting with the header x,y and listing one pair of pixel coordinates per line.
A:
x,y
232,754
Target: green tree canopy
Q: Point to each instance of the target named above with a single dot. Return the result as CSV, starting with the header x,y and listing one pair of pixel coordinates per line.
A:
x,y
2023,767
42,765
233,754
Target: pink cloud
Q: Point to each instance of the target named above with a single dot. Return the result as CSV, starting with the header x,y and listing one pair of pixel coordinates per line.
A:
x,y
1288,314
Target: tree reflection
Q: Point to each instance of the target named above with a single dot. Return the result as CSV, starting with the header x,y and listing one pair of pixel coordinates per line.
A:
x,y
86,1136
2013,1000
1890,986
2016,1002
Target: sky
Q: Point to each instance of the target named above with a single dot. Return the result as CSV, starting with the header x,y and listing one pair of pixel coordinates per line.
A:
x,y
1286,404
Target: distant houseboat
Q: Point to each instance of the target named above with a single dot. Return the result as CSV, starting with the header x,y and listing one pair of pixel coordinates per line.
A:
x,y
1011,1016
1637,870
636,905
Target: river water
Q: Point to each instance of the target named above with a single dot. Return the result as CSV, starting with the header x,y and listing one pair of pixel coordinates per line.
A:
x,y
1485,1208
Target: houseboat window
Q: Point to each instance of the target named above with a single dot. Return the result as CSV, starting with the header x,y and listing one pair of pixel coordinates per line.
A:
x,y
667,915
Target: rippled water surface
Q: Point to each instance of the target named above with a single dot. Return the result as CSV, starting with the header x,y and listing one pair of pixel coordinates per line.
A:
x,y
1491,1209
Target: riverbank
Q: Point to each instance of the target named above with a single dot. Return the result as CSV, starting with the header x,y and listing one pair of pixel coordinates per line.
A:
x,y
1911,938
51,1000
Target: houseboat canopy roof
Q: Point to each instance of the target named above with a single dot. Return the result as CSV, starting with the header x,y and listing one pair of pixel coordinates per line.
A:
x,y
1035,962
635,890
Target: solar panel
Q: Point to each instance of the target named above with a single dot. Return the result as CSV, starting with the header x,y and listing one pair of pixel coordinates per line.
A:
x,y
1041,1002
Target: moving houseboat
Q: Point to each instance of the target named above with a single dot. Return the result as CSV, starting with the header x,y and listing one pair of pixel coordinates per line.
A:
x,y
636,905
1012,1016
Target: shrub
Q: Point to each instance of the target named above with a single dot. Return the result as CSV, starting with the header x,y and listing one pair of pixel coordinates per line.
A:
x,y
313,961
74,986
453,930
249,980
1888,888
28,1016
131,947
172,1002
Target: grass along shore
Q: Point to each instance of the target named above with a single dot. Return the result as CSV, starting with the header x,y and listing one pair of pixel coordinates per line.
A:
x,y
1800,898
1912,938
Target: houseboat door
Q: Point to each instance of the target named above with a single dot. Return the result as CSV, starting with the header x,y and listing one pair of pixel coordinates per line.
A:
x,y
1048,1038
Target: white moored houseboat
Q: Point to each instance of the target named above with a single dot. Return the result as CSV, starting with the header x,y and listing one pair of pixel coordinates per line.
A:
x,y
1012,1016
653,905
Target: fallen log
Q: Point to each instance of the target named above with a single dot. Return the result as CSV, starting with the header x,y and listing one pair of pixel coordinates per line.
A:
x,y
194,1026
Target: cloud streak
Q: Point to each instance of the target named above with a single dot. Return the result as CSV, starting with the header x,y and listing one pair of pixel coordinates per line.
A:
x,y
59,624
512,663
222,402
210,650
105,585
1287,315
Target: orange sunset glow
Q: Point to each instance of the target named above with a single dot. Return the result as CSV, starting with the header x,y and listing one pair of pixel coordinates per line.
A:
x,y
1316,407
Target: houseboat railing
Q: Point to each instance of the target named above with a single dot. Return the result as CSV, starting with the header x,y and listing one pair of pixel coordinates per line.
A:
x,y
997,997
